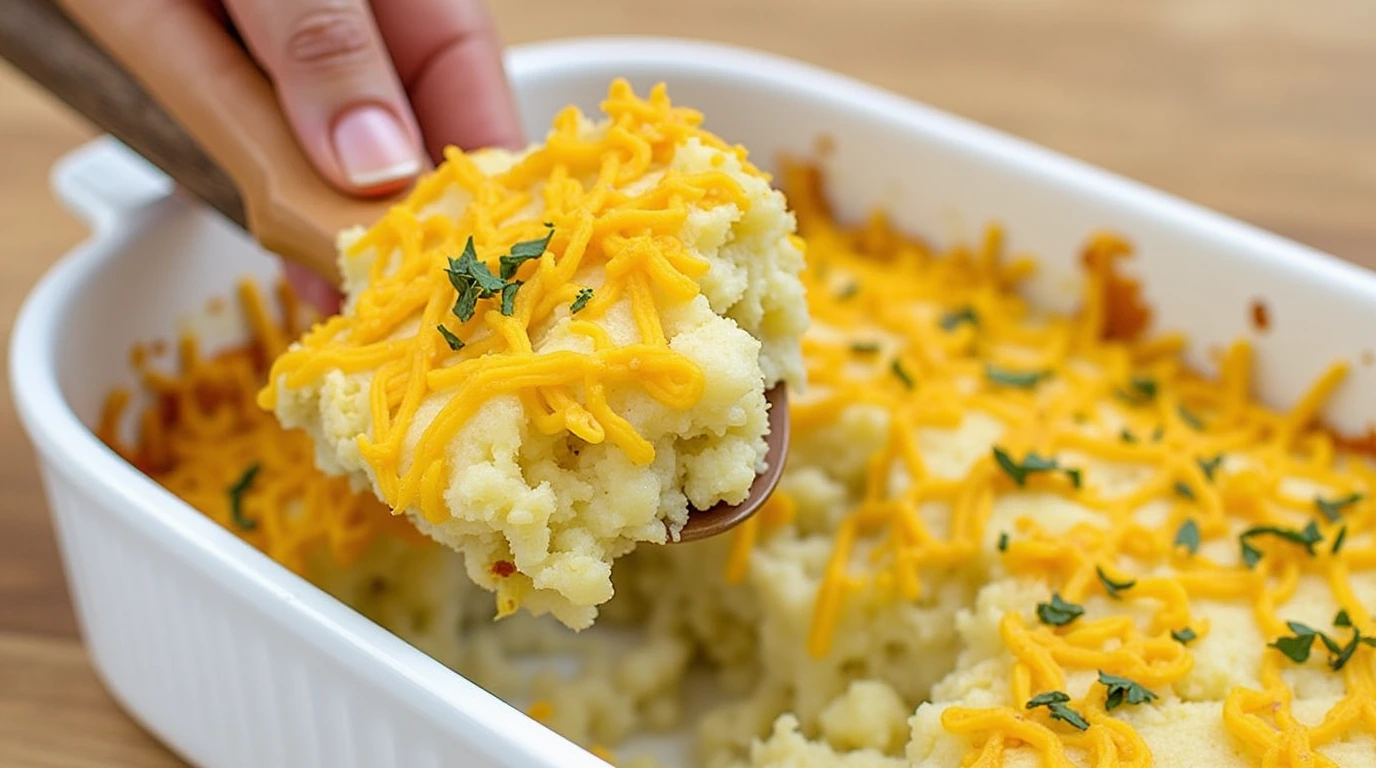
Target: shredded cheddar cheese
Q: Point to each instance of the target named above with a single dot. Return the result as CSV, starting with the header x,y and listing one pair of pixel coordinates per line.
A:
x,y
929,339
202,436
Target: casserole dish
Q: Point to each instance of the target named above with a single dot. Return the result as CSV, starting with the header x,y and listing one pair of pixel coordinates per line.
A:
x,y
232,660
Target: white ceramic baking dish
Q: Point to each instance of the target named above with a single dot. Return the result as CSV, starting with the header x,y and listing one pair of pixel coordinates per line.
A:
x,y
233,661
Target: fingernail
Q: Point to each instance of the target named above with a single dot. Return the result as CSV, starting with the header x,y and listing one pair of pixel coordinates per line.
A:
x,y
373,148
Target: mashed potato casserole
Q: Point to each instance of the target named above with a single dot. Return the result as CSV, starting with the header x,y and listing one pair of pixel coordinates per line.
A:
x,y
1004,537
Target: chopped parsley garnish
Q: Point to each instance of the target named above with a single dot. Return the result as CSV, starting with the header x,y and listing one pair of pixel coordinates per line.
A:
x,y
1188,416
1306,538
236,498
952,320
1113,587
472,279
1187,536
1338,541
1123,691
1143,386
903,376
1342,619
1183,489
1333,510
1141,389
581,300
1158,433
1183,636
1341,657
1018,379
1209,466
1048,698
454,342
865,348
1032,464
848,292
1127,436
1058,612
1003,542
509,297
1055,702
523,252
1297,646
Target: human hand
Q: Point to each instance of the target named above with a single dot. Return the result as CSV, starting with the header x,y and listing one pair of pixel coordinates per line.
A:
x,y
371,88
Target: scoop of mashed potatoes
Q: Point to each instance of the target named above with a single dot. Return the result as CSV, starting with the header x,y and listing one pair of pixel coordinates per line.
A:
x,y
546,357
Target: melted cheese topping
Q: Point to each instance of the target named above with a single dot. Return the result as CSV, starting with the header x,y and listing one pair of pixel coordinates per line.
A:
x,y
616,235
202,436
932,340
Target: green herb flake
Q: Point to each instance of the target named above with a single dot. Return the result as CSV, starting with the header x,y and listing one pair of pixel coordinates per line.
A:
x,y
509,297
1127,436
1031,464
1307,538
1066,714
1332,510
523,252
1016,379
1003,542
1342,619
1190,419
848,292
1140,390
1077,478
236,498
1158,433
1298,646
1056,704
1340,658
467,303
1111,586
952,320
1058,612
897,367
865,348
1047,699
473,281
581,300
1338,542
1121,691
1183,636
1210,466
468,269
454,342
1144,386
1187,536
1183,489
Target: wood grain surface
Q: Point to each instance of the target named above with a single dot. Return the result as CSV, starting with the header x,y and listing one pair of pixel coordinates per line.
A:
x,y
1264,109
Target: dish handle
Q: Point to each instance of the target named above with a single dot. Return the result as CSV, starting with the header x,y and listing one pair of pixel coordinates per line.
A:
x,y
104,182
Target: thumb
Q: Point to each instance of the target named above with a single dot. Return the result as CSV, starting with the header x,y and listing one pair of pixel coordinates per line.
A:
x,y
337,88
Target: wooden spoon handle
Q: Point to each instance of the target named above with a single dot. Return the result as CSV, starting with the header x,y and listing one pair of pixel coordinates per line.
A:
x,y
39,40
212,88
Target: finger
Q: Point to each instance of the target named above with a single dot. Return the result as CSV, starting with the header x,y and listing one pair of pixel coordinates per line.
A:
x,y
311,288
337,88
450,60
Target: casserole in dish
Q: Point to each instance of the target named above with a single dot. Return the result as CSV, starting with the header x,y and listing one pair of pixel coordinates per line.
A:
x,y
234,661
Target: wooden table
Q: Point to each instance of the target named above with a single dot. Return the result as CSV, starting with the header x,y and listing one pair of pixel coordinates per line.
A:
x,y
1265,109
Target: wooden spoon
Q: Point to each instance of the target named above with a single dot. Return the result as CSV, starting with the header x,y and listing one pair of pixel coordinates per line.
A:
x,y
212,123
